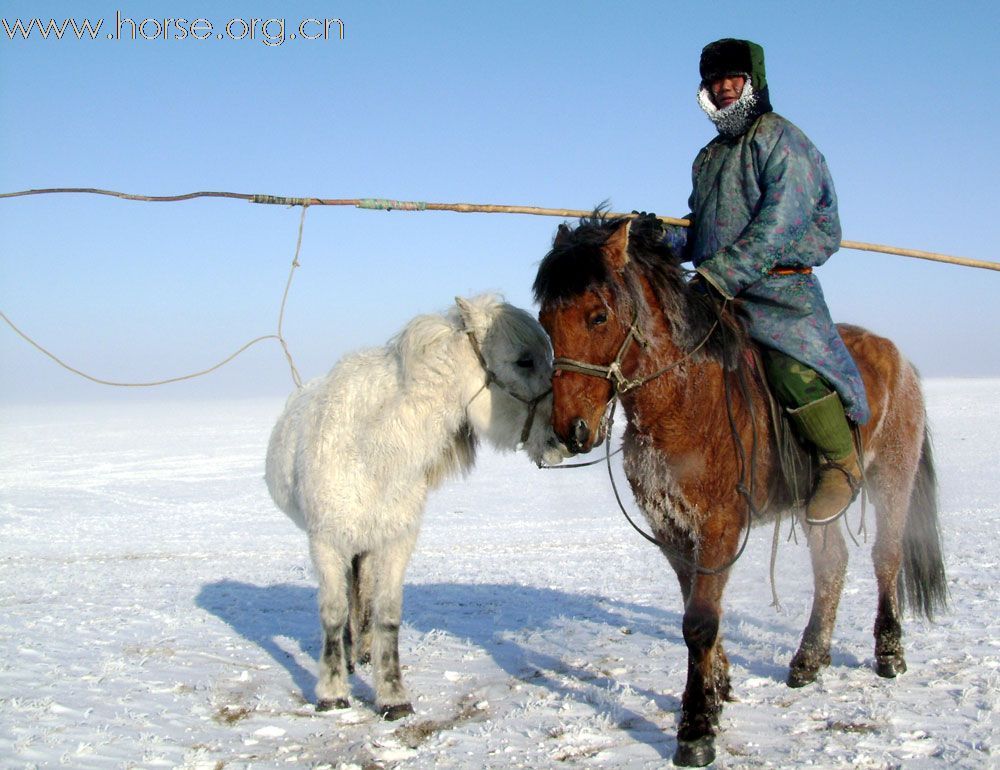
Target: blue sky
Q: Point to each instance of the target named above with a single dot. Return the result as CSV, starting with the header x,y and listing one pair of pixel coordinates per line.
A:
x,y
560,104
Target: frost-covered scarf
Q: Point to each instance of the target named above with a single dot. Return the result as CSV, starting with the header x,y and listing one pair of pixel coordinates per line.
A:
x,y
733,120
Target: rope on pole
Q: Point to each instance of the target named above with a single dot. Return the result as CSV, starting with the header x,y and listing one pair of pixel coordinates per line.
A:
x,y
385,204
49,354
280,337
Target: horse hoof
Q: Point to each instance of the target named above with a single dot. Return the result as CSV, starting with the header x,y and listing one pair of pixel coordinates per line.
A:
x,y
805,667
890,666
332,705
400,710
800,677
697,753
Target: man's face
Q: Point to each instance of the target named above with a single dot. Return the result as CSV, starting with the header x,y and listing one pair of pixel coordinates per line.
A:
x,y
726,90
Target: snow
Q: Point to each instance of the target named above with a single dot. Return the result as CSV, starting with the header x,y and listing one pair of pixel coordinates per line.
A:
x,y
157,611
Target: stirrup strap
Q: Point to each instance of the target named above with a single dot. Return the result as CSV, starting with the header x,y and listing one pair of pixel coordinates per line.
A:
x,y
853,481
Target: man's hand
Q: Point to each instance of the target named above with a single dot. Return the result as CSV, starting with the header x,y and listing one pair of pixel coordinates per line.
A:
x,y
647,219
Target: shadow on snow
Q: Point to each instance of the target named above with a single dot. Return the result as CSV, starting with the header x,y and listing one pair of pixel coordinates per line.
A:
x,y
499,619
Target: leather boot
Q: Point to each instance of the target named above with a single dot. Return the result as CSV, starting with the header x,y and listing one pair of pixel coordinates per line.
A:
x,y
838,484
823,424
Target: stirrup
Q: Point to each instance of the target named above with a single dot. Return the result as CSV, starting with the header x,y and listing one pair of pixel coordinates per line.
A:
x,y
853,483
825,522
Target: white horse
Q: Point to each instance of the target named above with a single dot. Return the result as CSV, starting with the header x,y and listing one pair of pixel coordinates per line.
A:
x,y
354,454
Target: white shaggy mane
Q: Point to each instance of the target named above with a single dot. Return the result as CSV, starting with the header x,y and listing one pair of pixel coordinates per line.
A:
x,y
424,351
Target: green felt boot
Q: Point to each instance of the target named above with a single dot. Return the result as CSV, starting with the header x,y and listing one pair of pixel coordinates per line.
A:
x,y
823,424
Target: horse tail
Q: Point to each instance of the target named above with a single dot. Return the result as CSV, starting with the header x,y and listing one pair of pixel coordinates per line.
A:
x,y
922,581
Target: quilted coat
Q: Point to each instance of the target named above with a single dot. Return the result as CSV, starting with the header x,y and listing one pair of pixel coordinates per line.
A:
x,y
762,201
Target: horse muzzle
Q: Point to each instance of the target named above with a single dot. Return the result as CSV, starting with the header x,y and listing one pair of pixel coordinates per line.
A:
x,y
581,438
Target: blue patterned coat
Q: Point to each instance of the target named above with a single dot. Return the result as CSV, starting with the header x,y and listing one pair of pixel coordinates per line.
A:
x,y
762,200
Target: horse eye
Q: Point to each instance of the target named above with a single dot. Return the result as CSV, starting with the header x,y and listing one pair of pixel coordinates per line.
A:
x,y
599,320
526,362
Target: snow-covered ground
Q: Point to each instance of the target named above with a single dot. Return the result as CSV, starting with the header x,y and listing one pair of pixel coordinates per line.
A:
x,y
156,610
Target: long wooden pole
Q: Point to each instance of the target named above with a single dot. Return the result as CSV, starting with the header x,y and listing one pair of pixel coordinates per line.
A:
x,y
385,204
916,253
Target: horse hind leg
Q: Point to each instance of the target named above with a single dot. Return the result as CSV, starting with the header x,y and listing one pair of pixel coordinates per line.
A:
x,y
828,553
892,496
359,628
907,551
891,501
333,574
389,567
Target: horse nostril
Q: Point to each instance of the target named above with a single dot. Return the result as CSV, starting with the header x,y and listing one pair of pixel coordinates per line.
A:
x,y
581,432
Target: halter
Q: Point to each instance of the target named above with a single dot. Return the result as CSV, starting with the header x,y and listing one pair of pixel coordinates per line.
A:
x,y
491,378
621,385
612,371
619,382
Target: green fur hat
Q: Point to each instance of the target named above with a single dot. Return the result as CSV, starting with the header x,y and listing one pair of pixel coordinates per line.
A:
x,y
729,56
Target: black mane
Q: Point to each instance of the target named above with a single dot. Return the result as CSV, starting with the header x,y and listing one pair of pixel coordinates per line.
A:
x,y
576,264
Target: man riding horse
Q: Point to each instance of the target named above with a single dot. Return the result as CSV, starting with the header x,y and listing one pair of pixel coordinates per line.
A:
x,y
764,213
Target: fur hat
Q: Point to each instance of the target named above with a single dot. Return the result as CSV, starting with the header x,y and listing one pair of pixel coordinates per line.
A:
x,y
730,56
734,57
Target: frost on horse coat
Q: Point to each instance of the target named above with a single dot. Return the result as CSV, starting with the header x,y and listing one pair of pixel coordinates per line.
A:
x,y
354,454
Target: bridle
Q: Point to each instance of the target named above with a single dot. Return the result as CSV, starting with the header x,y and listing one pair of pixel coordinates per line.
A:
x,y
621,384
492,379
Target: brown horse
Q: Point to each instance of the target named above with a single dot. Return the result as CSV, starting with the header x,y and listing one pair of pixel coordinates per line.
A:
x,y
702,457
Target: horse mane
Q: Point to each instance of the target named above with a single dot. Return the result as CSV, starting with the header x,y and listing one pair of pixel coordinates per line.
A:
x,y
515,324
428,341
576,264
422,350
457,459
424,346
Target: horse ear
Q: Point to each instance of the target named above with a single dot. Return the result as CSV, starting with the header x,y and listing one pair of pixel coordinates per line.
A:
x,y
467,310
562,233
616,247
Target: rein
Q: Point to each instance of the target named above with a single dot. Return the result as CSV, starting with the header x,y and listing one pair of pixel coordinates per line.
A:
x,y
491,378
622,384
667,548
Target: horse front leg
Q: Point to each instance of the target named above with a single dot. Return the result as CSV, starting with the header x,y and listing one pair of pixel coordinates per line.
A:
x,y
333,572
828,553
708,669
388,567
682,568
